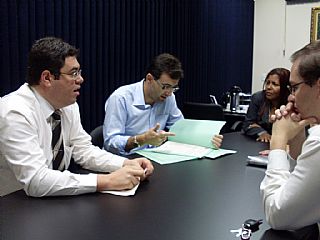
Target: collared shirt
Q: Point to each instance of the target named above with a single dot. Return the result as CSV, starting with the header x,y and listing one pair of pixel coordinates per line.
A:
x,y
26,154
127,115
292,198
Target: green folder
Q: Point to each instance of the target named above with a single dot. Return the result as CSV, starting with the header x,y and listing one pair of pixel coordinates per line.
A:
x,y
192,141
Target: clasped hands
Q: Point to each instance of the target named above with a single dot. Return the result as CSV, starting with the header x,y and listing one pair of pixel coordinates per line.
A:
x,y
287,123
132,172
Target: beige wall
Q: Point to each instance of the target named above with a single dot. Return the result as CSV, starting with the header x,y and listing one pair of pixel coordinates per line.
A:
x,y
279,30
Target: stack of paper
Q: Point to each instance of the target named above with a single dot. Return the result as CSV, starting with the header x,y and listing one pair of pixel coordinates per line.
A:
x,y
192,141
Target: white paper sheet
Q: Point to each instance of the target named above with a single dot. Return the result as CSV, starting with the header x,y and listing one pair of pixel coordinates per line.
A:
x,y
125,193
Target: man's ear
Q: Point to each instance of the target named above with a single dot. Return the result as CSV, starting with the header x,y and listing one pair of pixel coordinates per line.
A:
x,y
149,77
46,78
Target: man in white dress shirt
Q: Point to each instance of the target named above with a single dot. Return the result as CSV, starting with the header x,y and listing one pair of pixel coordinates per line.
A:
x,y
291,188
26,159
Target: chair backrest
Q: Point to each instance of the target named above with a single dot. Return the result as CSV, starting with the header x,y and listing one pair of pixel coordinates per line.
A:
x,y
203,111
97,136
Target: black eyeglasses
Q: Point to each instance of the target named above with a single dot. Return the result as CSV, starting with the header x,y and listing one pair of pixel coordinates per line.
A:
x,y
293,88
167,86
75,75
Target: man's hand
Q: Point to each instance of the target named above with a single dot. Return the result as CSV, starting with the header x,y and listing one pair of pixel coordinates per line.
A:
x,y
285,129
144,163
124,178
155,137
285,110
217,141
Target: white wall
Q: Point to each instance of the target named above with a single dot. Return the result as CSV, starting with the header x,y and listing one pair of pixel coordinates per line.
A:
x,y
279,30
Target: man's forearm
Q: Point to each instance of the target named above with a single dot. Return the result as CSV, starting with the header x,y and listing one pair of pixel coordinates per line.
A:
x,y
295,145
278,141
135,141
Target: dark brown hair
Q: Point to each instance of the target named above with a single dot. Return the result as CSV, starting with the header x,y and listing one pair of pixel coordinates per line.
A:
x,y
284,76
48,54
165,63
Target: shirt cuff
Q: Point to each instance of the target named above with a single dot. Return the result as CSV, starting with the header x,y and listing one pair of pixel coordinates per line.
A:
x,y
87,182
278,159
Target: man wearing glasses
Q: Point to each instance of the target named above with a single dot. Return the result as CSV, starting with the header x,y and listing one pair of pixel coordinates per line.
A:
x,y
40,130
138,114
291,187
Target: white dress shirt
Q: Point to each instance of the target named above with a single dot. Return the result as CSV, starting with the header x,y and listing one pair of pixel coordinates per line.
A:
x,y
292,198
26,154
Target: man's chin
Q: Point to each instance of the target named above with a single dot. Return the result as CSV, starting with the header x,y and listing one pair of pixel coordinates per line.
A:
x,y
316,119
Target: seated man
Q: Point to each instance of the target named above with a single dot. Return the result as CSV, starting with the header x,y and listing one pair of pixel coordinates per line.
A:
x,y
40,130
291,188
137,114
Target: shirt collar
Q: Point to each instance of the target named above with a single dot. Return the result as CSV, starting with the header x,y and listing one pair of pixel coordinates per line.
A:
x,y
139,98
45,106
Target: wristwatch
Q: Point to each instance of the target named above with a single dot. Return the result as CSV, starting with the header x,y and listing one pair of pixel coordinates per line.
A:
x,y
135,141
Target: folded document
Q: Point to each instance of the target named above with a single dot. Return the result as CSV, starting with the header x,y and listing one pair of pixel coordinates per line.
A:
x,y
192,141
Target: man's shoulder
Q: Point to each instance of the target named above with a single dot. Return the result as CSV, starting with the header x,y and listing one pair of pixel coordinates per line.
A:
x,y
127,93
127,89
20,100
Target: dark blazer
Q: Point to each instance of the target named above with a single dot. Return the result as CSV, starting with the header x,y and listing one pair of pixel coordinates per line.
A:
x,y
257,101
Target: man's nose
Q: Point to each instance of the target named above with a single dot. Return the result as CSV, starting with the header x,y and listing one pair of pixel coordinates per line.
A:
x,y
80,80
291,98
169,92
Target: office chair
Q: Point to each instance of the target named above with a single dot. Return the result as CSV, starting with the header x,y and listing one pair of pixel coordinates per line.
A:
x,y
97,140
203,111
97,136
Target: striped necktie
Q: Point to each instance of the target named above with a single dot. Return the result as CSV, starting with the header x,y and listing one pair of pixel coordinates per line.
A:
x,y
57,141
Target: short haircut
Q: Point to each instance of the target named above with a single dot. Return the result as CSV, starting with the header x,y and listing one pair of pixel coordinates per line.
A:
x,y
48,53
309,62
165,63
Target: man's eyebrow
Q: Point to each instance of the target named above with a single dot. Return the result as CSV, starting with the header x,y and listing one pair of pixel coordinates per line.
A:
x,y
74,69
167,84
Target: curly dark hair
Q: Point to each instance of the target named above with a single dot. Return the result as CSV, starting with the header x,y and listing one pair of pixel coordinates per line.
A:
x,y
48,53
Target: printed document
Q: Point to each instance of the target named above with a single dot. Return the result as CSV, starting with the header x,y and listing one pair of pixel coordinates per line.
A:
x,y
192,141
